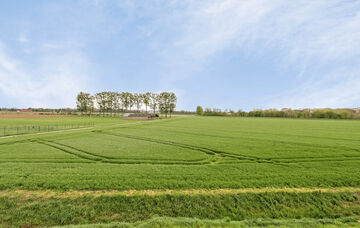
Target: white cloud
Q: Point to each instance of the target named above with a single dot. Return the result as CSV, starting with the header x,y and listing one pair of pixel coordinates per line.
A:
x,y
54,82
23,39
322,29
317,39
298,35
339,88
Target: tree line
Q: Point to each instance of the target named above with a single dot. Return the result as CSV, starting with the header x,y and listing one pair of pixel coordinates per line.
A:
x,y
118,102
327,113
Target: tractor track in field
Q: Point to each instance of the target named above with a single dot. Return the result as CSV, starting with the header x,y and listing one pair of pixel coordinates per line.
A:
x,y
344,148
46,194
287,160
61,148
247,158
287,134
216,154
80,150
91,157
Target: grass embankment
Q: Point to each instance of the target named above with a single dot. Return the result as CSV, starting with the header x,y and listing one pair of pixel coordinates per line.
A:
x,y
31,210
196,223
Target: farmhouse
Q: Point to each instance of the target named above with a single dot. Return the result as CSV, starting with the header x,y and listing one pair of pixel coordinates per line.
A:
x,y
139,116
23,110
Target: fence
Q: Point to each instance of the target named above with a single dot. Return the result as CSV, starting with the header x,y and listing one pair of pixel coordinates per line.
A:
x,y
29,129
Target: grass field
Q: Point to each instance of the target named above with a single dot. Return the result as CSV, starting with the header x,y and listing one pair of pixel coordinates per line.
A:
x,y
38,121
31,124
186,159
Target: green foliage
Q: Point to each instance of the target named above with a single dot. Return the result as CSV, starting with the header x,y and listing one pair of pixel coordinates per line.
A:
x,y
85,102
114,102
167,102
289,113
199,111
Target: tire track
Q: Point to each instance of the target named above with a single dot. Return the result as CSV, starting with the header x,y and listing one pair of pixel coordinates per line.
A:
x,y
344,148
209,151
290,159
86,156
82,151
272,133
99,158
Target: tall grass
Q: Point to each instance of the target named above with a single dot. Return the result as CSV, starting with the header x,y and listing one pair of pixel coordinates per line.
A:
x,y
36,211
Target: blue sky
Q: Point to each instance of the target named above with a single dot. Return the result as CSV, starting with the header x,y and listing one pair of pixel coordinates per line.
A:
x,y
235,54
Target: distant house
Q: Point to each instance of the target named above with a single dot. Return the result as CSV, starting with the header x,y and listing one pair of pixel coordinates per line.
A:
x,y
23,110
139,116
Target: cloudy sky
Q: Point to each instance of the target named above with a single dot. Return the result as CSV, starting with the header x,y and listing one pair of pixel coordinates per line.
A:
x,y
238,54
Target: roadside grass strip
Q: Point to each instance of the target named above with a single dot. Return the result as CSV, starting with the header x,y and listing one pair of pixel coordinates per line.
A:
x,y
226,222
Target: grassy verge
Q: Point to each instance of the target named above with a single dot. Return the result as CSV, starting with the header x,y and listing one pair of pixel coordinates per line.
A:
x,y
193,222
34,210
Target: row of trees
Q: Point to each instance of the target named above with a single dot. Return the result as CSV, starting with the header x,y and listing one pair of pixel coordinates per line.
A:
x,y
115,102
285,112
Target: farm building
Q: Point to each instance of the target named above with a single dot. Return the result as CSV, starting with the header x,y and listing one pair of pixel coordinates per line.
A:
x,y
23,110
139,116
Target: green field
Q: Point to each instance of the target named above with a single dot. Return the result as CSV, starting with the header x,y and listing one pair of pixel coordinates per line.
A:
x,y
182,153
20,126
57,120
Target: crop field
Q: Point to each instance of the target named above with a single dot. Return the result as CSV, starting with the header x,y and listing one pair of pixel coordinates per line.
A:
x,y
187,166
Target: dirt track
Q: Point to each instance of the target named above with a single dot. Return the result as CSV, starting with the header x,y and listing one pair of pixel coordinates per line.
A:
x,y
73,193
75,129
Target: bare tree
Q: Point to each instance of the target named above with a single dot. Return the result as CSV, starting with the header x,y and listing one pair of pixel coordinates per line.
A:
x,y
154,101
101,100
131,101
125,97
138,99
146,97
172,100
117,102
